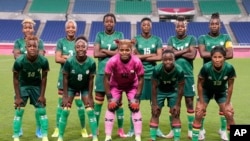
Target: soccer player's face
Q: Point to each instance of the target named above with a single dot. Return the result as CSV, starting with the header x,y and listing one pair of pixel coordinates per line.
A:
x,y
70,29
32,48
109,23
168,61
146,26
81,48
125,52
218,59
214,25
28,29
180,28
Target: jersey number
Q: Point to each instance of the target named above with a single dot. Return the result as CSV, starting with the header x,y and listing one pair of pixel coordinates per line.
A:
x,y
70,52
31,74
79,77
147,51
109,46
217,83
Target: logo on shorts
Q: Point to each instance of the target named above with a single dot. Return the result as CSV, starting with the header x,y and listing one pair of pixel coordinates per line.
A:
x,y
209,77
132,71
225,77
87,71
73,71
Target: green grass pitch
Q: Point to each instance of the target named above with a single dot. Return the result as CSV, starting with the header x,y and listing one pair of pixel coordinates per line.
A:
x,y
240,99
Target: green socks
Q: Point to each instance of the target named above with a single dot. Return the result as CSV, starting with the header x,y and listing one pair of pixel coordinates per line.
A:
x,y
63,122
92,122
120,116
97,108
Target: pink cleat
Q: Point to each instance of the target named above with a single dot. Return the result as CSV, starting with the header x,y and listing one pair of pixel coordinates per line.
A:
x,y
121,133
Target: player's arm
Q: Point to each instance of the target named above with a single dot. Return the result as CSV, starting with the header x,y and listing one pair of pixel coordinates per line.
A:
x,y
180,92
191,54
98,53
203,52
65,89
107,83
91,85
42,99
109,52
230,90
41,48
59,58
156,57
178,53
140,85
16,53
200,88
18,100
154,92
229,52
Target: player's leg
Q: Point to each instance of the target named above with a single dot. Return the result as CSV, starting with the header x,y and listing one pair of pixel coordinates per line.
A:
x,y
91,115
17,122
40,111
81,114
120,119
155,114
200,111
134,106
65,113
99,96
58,113
227,114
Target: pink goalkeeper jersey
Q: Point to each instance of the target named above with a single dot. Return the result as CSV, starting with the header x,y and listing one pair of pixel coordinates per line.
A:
x,y
124,75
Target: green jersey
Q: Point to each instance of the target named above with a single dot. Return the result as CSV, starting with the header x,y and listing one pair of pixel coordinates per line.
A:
x,y
168,82
66,47
216,80
180,44
210,42
30,72
20,44
148,46
107,42
78,74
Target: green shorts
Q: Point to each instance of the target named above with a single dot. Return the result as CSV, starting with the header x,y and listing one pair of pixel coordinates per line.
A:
x,y
189,89
170,96
32,93
219,97
99,86
146,90
75,93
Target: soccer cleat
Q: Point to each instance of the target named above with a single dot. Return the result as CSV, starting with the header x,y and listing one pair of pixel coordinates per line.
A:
x,y
20,133
189,134
84,133
56,133
60,139
16,139
95,139
130,133
39,133
201,135
170,135
108,139
120,132
223,135
45,139
138,138
160,134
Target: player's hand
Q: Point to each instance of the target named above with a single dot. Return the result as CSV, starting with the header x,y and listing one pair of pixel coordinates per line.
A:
x,y
229,111
155,110
18,102
42,100
91,102
65,102
200,108
176,111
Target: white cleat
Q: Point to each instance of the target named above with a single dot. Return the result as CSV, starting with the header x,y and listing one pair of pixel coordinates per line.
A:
x,y
190,134
223,135
56,133
170,135
202,135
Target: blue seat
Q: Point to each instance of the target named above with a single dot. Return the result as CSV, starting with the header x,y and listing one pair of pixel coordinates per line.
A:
x,y
174,4
241,31
55,30
96,26
246,5
12,5
91,6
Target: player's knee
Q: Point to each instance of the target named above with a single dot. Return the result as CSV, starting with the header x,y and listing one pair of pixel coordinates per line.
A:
x,y
79,103
99,99
134,106
41,111
19,112
199,113
113,106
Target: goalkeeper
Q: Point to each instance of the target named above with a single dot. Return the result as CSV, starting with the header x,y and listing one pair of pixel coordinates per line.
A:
x,y
123,73
167,83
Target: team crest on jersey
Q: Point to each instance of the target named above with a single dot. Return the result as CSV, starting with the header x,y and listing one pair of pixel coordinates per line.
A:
x,y
132,71
139,46
153,45
225,77
186,44
209,77
64,48
173,79
207,44
221,43
87,71
73,71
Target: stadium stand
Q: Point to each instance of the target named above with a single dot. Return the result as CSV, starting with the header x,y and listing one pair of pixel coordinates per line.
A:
x,y
246,5
54,30
133,7
12,30
12,5
49,6
96,26
91,6
241,32
225,7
